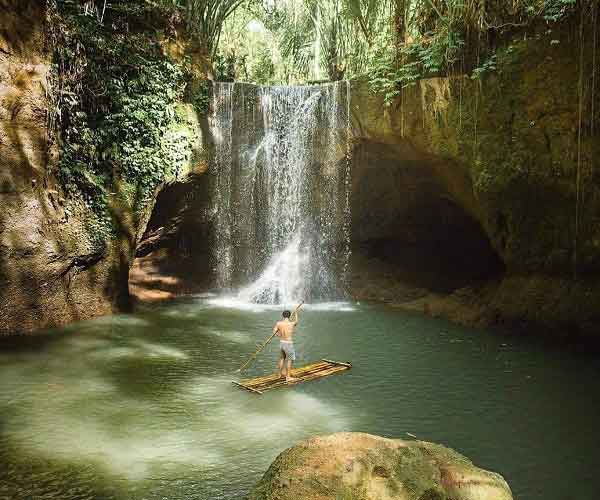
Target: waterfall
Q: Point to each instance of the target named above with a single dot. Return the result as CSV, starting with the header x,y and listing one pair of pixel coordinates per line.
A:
x,y
280,191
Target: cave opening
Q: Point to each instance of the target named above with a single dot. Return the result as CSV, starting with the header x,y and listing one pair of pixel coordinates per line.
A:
x,y
173,255
412,228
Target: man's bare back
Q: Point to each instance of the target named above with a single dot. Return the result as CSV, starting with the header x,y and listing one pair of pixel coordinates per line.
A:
x,y
285,329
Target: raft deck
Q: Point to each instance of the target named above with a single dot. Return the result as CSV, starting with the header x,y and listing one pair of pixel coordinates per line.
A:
x,y
321,369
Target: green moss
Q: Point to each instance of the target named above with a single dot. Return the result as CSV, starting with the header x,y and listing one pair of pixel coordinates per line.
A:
x,y
346,493
287,460
117,107
201,97
415,472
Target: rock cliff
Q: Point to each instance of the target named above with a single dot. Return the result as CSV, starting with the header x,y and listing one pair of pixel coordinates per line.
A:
x,y
506,163
50,271
75,199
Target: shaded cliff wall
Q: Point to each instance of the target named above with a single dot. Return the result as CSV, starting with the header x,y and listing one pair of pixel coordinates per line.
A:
x,y
68,229
513,152
49,270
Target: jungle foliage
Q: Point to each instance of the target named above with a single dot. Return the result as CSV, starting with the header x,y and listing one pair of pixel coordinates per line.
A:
x,y
204,18
393,43
114,99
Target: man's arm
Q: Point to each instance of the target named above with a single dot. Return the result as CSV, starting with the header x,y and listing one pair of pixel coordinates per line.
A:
x,y
276,328
295,319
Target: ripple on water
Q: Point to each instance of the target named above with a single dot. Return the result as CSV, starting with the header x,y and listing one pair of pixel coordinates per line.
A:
x,y
105,348
107,323
230,335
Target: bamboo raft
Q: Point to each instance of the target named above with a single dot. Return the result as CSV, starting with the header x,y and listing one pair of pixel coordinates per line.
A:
x,y
321,369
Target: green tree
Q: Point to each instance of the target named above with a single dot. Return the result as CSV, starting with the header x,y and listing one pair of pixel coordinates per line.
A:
x,y
205,19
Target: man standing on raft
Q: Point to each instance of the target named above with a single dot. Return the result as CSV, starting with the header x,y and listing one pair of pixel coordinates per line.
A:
x,y
284,329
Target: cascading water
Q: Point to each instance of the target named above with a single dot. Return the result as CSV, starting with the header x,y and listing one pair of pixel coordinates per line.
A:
x,y
281,182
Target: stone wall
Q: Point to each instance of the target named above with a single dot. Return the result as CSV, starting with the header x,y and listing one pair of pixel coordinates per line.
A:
x,y
509,151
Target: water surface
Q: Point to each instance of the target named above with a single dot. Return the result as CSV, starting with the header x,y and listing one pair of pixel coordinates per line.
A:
x,y
141,406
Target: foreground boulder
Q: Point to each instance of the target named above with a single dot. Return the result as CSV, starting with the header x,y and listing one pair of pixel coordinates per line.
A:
x,y
356,466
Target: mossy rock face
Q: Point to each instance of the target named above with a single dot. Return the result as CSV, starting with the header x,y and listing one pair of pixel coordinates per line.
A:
x,y
515,134
515,149
74,209
356,466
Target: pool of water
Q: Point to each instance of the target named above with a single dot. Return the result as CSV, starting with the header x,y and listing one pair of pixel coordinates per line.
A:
x,y
142,406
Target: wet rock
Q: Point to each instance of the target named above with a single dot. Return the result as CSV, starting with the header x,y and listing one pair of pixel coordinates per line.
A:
x,y
367,467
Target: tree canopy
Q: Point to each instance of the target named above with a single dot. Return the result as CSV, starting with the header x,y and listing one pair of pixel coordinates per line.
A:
x,y
391,42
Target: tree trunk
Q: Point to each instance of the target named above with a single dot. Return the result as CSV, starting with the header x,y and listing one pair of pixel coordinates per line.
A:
x,y
400,26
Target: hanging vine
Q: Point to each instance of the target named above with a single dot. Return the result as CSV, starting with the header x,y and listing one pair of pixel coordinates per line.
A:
x,y
578,196
593,92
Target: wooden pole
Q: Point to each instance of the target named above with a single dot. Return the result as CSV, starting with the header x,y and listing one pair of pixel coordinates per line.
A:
x,y
253,357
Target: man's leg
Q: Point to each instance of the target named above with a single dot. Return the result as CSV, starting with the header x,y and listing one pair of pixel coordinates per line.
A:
x,y
288,375
281,363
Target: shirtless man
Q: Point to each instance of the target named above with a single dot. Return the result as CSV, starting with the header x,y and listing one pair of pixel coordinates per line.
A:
x,y
284,329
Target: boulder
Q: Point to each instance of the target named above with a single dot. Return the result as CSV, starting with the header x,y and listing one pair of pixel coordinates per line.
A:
x,y
357,466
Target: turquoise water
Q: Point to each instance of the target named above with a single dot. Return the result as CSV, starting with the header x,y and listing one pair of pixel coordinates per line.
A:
x,y
141,406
